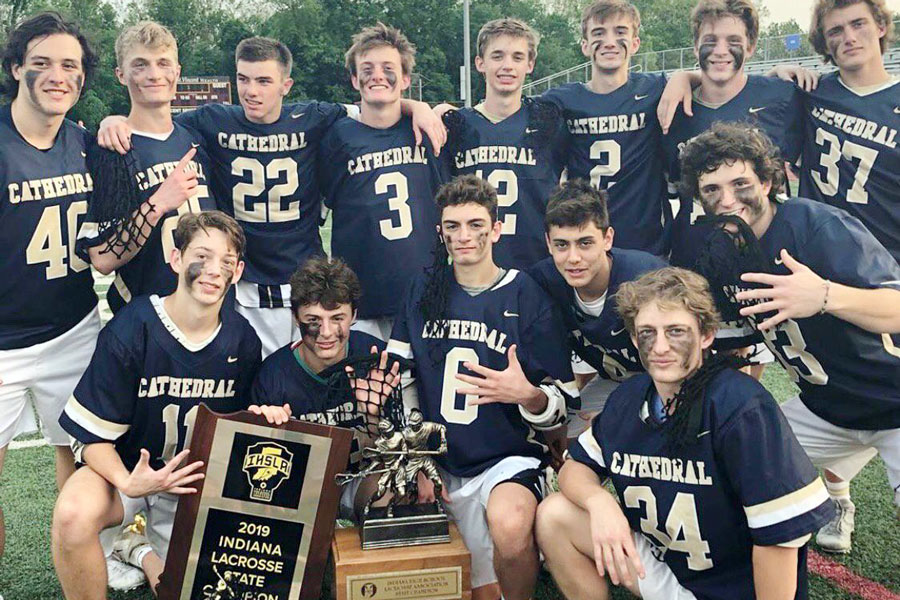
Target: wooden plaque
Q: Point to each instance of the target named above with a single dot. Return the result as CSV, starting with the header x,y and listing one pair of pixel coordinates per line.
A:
x,y
259,526
431,572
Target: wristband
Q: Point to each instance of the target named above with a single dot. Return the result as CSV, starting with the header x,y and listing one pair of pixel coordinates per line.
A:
x,y
824,308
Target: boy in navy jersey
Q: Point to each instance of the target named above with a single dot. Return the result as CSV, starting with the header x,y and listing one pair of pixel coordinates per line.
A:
x,y
835,292
48,316
615,139
582,276
491,366
171,169
518,146
850,157
294,380
263,155
718,498
132,413
725,37
377,181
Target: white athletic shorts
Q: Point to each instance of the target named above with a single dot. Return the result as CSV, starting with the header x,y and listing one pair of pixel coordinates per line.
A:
x,y
380,328
159,509
274,326
47,373
660,582
468,508
842,451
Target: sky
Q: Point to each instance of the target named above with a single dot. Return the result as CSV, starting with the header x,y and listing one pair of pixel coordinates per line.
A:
x,y
800,10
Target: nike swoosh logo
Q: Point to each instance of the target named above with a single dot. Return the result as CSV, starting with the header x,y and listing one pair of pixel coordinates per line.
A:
x,y
756,109
297,115
84,155
232,359
778,261
614,333
637,97
702,433
530,130
506,313
897,110
193,145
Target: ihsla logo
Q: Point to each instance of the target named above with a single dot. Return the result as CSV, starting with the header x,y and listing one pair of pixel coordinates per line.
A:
x,y
266,464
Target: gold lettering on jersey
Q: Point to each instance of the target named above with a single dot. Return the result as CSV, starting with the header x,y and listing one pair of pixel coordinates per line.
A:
x,y
857,126
607,124
483,155
661,468
332,416
49,188
155,175
276,142
392,157
472,331
185,387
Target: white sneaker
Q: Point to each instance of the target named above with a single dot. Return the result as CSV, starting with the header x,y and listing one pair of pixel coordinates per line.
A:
x,y
122,577
835,535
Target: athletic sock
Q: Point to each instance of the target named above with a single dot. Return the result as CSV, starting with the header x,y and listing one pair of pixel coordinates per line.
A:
x,y
838,490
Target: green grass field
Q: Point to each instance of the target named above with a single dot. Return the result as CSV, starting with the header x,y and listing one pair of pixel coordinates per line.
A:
x,y
27,493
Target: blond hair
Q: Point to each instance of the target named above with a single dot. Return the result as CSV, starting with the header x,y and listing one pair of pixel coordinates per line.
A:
x,y
515,28
600,10
880,12
149,34
377,36
713,10
671,288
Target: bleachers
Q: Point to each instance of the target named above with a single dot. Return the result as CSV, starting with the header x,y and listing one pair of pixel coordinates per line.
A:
x,y
772,51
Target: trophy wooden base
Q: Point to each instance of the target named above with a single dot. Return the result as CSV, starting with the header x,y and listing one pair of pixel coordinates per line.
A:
x,y
435,572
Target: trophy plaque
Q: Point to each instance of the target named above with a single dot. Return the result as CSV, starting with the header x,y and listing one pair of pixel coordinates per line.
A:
x,y
259,525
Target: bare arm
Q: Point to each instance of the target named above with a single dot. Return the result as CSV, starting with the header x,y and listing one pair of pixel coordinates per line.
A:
x,y
803,294
180,185
774,572
143,480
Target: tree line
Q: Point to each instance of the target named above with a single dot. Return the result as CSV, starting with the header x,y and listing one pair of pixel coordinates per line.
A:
x,y
319,31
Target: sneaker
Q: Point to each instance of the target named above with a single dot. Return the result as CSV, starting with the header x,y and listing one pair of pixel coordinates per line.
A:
x,y
129,547
122,577
835,535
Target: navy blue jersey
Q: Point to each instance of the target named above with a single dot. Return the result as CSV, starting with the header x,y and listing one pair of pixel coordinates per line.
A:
x,y
773,105
601,341
45,287
745,482
265,177
850,158
847,376
148,272
285,379
380,188
522,156
480,329
615,142
145,383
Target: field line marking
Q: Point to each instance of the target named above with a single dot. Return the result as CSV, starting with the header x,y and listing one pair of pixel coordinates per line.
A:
x,y
847,580
27,444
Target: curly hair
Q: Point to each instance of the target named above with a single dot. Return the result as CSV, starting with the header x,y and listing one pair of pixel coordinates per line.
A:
x,y
727,143
880,13
377,36
575,203
670,288
600,10
326,281
515,28
42,25
742,10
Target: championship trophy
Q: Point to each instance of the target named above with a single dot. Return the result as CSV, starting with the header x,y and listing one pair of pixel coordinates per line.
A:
x,y
259,525
402,549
